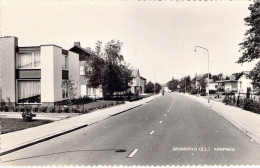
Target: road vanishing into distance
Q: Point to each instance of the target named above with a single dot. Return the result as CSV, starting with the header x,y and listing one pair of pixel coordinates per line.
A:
x,y
171,130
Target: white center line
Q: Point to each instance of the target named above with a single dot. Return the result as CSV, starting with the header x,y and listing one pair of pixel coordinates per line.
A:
x,y
151,132
160,122
164,115
133,153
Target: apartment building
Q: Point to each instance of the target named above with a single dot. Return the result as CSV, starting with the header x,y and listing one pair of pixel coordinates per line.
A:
x,y
36,74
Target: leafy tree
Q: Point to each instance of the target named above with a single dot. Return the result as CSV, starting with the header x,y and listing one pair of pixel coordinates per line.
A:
x,y
149,87
203,84
158,87
217,77
251,43
185,82
69,89
108,69
173,84
227,78
255,76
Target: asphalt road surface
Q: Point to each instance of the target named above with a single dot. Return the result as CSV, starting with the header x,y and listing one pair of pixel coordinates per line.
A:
x,y
171,130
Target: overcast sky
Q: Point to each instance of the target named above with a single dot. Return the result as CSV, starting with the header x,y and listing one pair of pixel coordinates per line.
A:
x,y
155,34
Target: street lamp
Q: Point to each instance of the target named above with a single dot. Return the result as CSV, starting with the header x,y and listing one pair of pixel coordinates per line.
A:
x,y
154,78
208,65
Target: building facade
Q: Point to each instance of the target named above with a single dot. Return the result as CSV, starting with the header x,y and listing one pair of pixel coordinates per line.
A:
x,y
138,84
244,82
85,56
37,74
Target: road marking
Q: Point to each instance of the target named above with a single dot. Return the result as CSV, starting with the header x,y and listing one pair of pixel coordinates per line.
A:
x,y
151,132
133,153
164,115
160,122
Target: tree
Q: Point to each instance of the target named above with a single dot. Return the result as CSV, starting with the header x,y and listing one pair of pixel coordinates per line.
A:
x,y
149,87
69,89
255,76
108,69
158,87
251,43
173,84
185,84
203,84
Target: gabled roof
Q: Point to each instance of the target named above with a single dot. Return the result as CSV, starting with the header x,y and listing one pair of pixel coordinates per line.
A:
x,y
135,72
246,73
142,78
83,53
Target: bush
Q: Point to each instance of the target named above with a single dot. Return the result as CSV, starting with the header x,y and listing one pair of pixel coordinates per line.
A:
x,y
16,109
227,100
36,109
212,92
6,108
251,105
51,109
43,109
28,115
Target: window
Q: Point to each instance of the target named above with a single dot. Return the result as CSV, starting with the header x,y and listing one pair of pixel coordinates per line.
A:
x,y
82,70
65,65
28,60
29,91
83,90
64,89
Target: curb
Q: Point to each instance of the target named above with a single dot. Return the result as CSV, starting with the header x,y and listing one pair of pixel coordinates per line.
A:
x,y
54,135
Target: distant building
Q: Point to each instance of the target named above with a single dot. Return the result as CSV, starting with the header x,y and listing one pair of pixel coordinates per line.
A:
x,y
85,56
138,84
228,85
36,74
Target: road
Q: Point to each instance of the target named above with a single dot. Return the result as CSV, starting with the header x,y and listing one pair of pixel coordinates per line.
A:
x,y
170,130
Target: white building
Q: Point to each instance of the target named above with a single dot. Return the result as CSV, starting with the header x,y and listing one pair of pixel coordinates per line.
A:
x,y
243,82
36,74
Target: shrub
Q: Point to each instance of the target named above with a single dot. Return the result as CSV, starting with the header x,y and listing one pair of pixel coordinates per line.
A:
x,y
6,108
43,109
28,115
36,109
227,100
16,108
51,109
212,92
22,108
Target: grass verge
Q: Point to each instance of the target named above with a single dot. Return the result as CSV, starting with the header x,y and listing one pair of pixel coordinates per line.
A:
x,y
14,124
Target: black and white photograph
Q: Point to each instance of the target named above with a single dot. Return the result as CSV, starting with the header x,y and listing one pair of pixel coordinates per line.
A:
x,y
129,83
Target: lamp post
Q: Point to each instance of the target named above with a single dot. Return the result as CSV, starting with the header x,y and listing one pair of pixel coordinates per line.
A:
x,y
208,65
154,78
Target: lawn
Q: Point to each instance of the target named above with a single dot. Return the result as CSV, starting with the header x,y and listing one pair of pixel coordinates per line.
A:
x,y
14,124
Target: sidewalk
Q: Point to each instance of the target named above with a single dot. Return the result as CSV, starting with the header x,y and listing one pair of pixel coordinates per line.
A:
x,y
246,121
20,139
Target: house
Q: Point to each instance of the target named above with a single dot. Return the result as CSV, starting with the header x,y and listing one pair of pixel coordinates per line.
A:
x,y
85,56
138,83
244,82
228,85
36,74
142,85
212,85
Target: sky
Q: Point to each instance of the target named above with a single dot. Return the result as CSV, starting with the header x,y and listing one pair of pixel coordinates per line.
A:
x,y
159,36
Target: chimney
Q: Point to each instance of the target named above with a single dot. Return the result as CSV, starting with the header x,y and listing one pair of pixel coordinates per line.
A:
x,y
77,44
88,48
